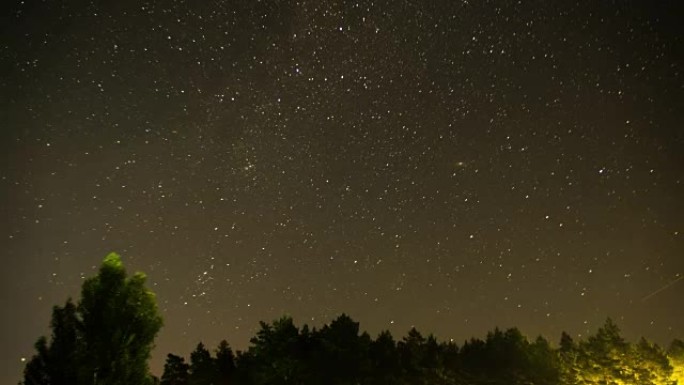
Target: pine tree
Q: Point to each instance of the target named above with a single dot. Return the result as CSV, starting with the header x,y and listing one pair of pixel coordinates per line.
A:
x,y
176,371
203,368
225,363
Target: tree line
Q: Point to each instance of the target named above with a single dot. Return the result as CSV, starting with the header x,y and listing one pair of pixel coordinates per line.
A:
x,y
106,339
339,354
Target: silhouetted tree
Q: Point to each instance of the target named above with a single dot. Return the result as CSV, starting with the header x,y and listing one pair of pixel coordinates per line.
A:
x,y
339,354
450,358
244,363
385,360
203,368
344,352
412,353
274,354
543,364
57,363
38,370
225,363
176,371
473,359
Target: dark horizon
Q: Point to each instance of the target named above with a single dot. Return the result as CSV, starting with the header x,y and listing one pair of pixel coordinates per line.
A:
x,y
339,352
448,165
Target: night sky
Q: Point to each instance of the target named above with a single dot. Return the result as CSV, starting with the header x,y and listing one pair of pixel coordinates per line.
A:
x,y
449,165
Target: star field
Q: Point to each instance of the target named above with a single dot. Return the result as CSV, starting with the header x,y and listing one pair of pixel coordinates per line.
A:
x,y
449,165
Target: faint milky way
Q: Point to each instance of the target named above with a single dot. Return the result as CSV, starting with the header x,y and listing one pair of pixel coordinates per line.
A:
x,y
444,164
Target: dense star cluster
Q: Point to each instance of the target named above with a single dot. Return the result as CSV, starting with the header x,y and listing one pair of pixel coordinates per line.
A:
x,y
448,165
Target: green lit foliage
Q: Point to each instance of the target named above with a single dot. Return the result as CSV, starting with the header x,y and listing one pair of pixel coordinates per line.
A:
x,y
105,339
650,364
607,359
120,322
568,354
601,357
676,356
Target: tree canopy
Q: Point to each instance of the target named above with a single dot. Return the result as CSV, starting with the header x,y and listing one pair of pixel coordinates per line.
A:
x,y
105,339
339,353
107,336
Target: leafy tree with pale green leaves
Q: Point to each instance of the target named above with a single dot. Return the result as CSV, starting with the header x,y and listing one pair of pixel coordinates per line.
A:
x,y
606,358
106,339
649,364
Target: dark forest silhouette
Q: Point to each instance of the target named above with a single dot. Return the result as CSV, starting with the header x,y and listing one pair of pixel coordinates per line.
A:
x,y
339,353
106,339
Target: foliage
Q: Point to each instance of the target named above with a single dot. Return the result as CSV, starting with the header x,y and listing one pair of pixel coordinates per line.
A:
x,y
176,371
338,353
676,356
56,362
225,363
106,339
606,358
